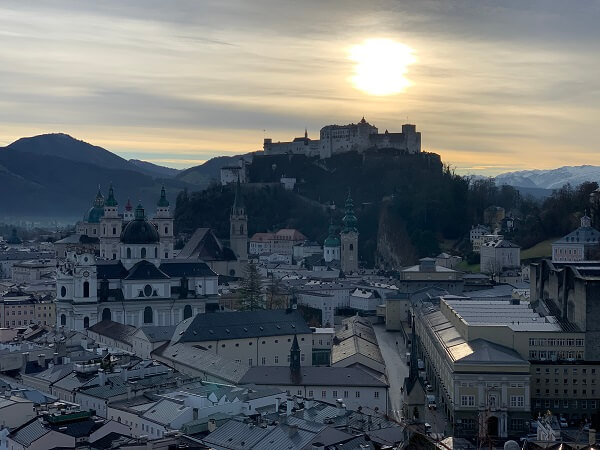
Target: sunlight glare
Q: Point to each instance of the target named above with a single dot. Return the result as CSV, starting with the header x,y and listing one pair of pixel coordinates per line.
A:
x,y
381,66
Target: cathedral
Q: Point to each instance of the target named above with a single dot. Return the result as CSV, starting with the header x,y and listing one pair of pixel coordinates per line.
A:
x,y
135,281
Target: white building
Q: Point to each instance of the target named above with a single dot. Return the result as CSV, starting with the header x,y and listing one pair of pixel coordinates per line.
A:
x,y
139,288
366,300
476,236
583,244
499,255
358,137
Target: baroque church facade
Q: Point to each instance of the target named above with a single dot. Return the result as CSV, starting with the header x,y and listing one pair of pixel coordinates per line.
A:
x,y
135,281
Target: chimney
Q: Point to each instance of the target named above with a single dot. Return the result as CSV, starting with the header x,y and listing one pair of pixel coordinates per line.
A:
x,y
292,430
55,358
129,392
277,404
212,425
41,360
25,357
308,403
101,377
289,406
341,408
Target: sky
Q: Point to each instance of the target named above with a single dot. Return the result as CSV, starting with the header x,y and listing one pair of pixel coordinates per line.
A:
x,y
493,86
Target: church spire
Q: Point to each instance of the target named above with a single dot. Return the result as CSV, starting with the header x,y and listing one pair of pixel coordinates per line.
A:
x,y
162,201
238,202
350,221
111,201
295,369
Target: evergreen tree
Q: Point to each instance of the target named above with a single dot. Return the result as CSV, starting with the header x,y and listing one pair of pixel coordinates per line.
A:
x,y
251,297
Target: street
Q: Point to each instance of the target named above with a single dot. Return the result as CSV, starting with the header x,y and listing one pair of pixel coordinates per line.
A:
x,y
396,367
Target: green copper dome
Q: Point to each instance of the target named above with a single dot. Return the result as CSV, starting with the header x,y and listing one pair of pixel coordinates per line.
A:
x,y
350,221
162,201
96,212
332,240
111,201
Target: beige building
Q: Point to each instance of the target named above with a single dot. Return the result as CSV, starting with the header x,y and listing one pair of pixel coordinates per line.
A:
x,y
426,274
17,310
254,338
482,387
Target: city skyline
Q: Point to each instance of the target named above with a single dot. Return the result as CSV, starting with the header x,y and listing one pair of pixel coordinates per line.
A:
x,y
492,87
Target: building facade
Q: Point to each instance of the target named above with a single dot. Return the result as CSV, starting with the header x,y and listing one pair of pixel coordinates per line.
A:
x,y
137,288
583,244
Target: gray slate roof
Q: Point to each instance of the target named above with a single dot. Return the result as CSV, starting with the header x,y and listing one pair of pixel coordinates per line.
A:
x,y
159,333
488,352
29,432
239,325
114,330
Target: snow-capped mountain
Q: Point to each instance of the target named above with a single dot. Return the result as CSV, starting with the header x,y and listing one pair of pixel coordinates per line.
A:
x,y
550,179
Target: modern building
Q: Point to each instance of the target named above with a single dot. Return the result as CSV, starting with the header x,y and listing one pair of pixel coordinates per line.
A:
x,y
139,288
583,244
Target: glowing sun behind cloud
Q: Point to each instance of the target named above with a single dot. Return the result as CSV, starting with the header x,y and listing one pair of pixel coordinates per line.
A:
x,y
380,66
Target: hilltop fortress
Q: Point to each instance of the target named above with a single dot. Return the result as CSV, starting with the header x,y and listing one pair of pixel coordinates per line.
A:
x,y
357,137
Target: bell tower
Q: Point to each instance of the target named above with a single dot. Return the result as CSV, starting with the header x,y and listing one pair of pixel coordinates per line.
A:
x,y
238,234
110,227
163,220
349,239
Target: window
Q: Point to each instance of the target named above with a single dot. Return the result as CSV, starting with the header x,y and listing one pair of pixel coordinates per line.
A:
x,y
345,394
276,359
143,253
86,322
63,320
147,290
357,394
148,315
310,393
467,400
376,394
128,253
86,289
63,292
249,361
323,394
187,311
516,401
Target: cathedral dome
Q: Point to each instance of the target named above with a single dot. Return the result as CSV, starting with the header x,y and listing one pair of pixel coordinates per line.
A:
x,y
139,230
96,212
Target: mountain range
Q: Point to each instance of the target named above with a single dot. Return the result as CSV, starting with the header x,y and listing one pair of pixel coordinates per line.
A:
x,y
57,176
550,179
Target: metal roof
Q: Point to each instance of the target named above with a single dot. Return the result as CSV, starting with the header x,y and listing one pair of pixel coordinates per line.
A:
x,y
311,376
240,325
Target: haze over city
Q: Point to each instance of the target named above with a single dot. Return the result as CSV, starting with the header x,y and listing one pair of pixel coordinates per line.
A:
x,y
494,86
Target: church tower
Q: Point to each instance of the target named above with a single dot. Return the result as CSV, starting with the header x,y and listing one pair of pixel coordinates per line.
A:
x,y
349,239
110,227
295,369
128,213
238,235
331,246
163,220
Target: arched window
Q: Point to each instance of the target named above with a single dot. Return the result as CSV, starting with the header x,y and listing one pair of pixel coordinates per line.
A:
x,y
156,252
351,247
106,314
166,230
63,291
187,311
63,320
241,229
128,253
86,322
143,252
147,314
86,289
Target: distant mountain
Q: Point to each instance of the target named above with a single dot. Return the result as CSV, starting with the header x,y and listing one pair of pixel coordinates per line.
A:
x,y
550,179
154,169
57,176
204,174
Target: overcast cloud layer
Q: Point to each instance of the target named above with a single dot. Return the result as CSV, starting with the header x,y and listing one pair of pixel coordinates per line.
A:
x,y
496,85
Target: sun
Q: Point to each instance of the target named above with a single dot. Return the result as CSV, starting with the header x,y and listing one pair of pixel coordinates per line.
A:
x,y
381,66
